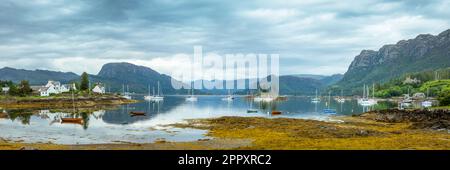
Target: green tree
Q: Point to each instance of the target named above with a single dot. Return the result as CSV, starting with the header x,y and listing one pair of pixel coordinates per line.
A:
x,y
24,88
13,90
84,84
444,96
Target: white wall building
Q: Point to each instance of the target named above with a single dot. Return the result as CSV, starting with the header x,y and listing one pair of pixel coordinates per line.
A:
x,y
55,87
5,89
99,89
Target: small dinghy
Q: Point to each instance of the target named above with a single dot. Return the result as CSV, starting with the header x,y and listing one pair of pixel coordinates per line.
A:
x,y
252,111
329,111
276,112
137,113
72,120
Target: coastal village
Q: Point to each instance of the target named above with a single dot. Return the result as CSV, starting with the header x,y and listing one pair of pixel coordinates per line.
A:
x,y
55,87
51,88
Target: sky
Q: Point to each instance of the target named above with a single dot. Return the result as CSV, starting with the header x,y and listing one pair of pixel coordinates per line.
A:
x,y
310,36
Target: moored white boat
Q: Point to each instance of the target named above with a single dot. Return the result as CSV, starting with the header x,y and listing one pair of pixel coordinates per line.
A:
x,y
427,103
125,94
191,98
315,99
229,97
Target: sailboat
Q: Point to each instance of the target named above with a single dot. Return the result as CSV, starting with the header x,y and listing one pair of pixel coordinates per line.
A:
x,y
70,120
315,99
191,98
328,110
341,98
364,101
264,97
158,97
229,97
372,101
252,110
407,100
125,94
149,97
427,103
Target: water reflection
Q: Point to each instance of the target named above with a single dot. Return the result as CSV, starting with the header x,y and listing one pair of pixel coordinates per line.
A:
x,y
117,124
177,108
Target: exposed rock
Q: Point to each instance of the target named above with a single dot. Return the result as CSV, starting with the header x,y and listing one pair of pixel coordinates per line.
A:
x,y
421,119
27,148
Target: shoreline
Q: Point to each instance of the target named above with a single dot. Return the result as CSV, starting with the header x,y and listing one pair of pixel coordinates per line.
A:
x,y
369,131
61,102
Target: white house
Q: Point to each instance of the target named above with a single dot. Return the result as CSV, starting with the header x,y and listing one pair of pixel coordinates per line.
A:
x,y
419,96
410,80
5,89
99,89
46,91
54,87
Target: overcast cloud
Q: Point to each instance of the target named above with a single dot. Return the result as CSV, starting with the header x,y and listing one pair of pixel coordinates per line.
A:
x,y
317,37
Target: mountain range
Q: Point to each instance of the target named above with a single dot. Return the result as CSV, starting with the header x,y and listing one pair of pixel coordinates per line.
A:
x,y
117,75
425,52
35,77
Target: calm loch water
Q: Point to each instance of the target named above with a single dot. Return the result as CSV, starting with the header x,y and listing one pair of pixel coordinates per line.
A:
x,y
115,125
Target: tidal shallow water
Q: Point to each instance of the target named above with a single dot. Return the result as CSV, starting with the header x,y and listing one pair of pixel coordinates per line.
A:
x,y
115,125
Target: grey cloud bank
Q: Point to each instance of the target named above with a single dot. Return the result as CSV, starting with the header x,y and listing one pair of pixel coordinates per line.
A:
x,y
319,37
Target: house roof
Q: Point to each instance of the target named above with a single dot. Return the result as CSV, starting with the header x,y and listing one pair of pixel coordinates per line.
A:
x,y
43,89
35,88
54,83
68,86
99,85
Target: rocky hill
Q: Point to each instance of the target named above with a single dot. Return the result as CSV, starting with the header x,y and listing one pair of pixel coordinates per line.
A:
x,y
425,52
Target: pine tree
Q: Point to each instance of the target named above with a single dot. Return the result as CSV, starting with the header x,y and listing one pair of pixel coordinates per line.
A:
x,y
84,85
13,90
24,88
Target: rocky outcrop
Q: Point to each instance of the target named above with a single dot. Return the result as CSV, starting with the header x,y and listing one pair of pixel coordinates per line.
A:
x,y
413,48
422,119
421,53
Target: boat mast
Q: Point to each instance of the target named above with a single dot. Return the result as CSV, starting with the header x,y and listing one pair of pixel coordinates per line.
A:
x,y
73,102
373,91
364,91
158,89
329,97
368,91
192,88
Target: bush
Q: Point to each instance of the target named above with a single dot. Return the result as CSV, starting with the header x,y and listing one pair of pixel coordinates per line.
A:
x,y
444,97
444,100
